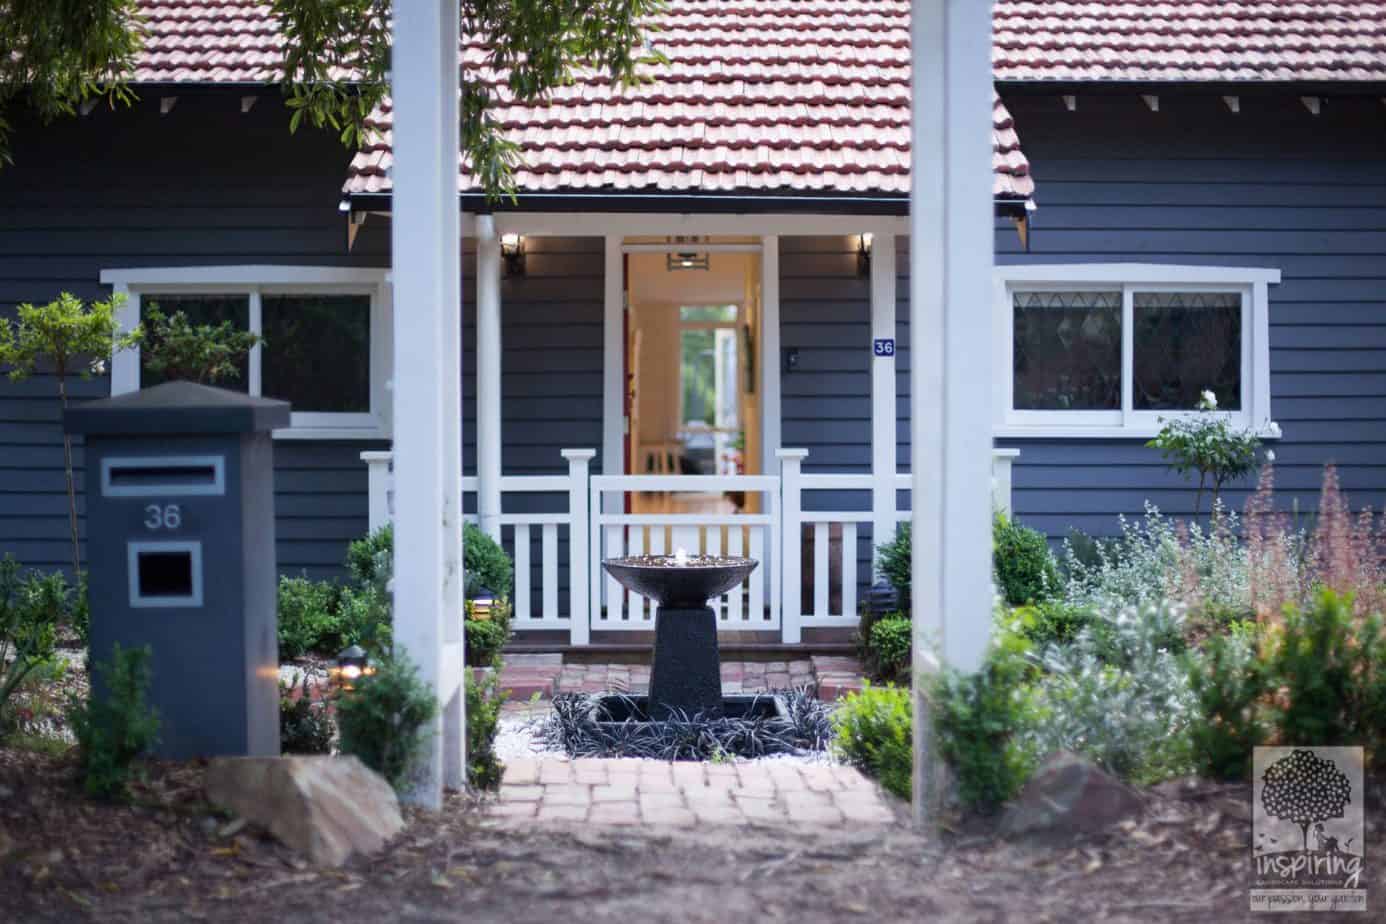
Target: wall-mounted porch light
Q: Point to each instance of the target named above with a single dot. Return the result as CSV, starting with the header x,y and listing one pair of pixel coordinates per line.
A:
x,y
864,254
513,250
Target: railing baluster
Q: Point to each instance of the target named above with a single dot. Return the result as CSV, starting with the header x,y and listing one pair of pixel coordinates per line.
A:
x,y
522,575
821,571
734,547
550,570
849,570
757,601
615,593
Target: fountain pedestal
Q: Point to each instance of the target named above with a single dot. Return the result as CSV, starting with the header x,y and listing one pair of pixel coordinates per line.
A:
x,y
686,673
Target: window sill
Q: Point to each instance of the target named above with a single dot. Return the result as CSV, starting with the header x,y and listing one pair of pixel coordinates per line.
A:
x,y
332,433
1141,431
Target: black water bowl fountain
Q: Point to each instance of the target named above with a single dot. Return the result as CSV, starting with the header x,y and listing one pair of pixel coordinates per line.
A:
x,y
686,673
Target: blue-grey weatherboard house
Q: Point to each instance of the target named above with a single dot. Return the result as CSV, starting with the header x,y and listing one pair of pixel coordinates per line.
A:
x,y
702,283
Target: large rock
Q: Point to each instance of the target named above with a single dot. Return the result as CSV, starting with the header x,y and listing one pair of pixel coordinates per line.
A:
x,y
327,807
1069,795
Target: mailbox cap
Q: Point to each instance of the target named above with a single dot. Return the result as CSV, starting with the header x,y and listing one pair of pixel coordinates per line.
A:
x,y
177,407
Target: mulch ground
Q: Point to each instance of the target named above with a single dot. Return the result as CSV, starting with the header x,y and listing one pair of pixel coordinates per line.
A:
x,y
170,857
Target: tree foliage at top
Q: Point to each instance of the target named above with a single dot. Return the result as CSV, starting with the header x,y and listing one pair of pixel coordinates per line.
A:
x,y
58,54
336,66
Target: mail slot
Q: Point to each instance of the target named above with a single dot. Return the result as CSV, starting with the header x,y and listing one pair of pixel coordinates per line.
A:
x,y
180,557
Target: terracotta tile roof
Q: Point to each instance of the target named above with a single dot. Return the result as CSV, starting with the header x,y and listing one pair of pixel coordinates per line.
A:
x,y
758,97
809,96
1213,41
213,41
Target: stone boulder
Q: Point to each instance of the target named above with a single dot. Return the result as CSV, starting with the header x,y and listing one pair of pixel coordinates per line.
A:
x,y
328,808
1069,796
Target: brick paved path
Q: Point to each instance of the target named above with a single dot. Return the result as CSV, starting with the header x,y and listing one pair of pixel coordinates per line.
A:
x,y
684,794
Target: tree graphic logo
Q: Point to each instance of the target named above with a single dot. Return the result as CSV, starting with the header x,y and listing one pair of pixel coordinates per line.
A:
x,y
1305,789
1307,825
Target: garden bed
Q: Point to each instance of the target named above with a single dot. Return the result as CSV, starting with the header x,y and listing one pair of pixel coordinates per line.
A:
x,y
167,858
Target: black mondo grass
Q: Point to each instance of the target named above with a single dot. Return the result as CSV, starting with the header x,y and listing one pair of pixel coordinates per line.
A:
x,y
578,727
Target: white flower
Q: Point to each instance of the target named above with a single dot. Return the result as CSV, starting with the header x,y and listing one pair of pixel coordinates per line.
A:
x,y
1210,400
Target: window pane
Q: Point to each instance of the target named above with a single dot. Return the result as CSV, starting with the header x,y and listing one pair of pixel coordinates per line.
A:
x,y
1186,342
707,313
1067,351
317,352
199,310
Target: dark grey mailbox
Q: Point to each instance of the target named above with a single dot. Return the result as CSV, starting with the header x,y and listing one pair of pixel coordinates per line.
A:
x,y
180,553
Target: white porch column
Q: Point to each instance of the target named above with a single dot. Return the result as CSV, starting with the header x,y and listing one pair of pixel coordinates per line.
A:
x,y
770,359
488,376
882,394
950,341
427,271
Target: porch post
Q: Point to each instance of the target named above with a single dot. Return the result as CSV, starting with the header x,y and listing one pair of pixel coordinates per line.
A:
x,y
882,394
488,376
425,248
769,352
950,355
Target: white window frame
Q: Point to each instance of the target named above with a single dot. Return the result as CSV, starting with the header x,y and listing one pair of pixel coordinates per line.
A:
x,y
255,282
1251,283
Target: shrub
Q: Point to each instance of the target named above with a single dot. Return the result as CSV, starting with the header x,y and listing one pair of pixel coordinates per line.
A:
x,y
1156,559
485,563
872,730
484,701
382,718
114,729
371,561
1025,569
1208,444
1050,622
365,618
305,727
980,721
174,348
29,614
485,639
890,644
1330,668
1227,683
1119,694
309,617
893,559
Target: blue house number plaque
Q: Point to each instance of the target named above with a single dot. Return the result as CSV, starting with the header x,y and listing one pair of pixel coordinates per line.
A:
x,y
883,346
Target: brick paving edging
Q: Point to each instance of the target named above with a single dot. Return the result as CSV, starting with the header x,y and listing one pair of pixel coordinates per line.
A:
x,y
629,791
544,675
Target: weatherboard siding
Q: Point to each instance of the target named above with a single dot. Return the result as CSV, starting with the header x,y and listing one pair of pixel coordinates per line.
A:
x,y
1273,186
169,191
133,188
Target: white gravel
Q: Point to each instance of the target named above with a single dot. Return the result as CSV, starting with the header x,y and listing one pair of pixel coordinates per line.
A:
x,y
517,738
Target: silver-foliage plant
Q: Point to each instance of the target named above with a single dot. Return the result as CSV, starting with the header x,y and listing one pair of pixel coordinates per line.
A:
x,y
1119,694
1157,558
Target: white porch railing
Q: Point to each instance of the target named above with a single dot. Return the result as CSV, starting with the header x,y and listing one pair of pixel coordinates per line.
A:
x,y
809,572
752,605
